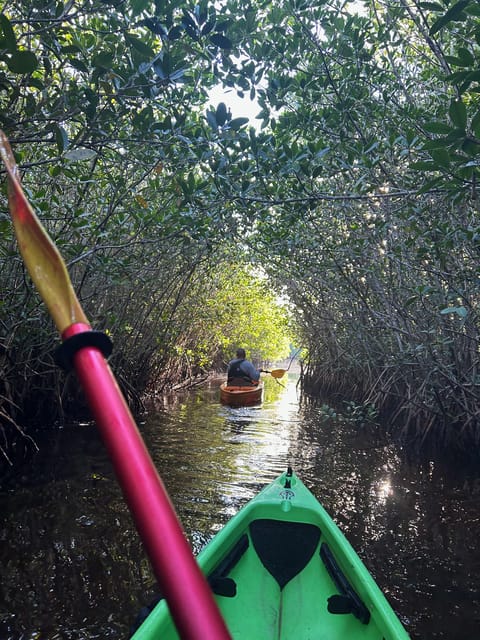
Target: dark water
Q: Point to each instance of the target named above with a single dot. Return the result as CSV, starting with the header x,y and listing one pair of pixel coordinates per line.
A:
x,y
72,566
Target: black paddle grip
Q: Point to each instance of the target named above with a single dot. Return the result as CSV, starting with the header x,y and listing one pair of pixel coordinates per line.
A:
x,y
64,353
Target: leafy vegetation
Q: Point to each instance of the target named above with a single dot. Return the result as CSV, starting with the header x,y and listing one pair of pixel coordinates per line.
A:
x,y
356,196
225,308
367,202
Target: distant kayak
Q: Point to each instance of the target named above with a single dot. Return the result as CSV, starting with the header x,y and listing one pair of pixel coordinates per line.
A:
x,y
282,570
241,396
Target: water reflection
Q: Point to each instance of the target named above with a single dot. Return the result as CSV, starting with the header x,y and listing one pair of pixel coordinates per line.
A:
x,y
72,565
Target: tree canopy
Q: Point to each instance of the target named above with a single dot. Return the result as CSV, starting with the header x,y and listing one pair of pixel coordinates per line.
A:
x,y
357,193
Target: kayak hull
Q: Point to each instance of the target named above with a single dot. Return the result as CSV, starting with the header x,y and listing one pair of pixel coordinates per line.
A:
x,y
282,570
241,396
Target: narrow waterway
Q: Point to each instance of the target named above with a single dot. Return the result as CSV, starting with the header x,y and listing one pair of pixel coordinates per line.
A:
x,y
72,566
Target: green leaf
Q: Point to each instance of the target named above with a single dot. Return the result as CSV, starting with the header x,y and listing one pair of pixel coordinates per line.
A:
x,y
236,123
80,155
455,137
55,171
471,147
103,59
189,19
430,184
212,120
138,6
71,48
30,105
175,33
466,57
467,79
473,76
473,10
221,114
177,75
454,13
22,62
455,61
437,127
423,165
458,113
441,157
61,138
436,143
476,124
221,41
36,82
457,76
459,311
78,64
184,186
8,41
432,6
139,45
208,26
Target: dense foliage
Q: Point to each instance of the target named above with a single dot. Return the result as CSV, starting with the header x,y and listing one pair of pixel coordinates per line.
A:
x,y
104,104
356,194
364,182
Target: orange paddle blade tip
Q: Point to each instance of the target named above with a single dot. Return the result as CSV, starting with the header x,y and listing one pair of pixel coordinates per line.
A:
x,y
278,373
42,259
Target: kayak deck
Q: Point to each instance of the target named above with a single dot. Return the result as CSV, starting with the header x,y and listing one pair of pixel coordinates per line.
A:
x,y
282,570
281,586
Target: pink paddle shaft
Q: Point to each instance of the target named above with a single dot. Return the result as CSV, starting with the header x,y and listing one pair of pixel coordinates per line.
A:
x,y
186,590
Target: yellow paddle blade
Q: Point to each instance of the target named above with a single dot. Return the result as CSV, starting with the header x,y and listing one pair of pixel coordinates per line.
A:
x,y
42,259
278,373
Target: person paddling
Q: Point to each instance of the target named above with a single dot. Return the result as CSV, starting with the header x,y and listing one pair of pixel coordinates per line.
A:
x,y
241,372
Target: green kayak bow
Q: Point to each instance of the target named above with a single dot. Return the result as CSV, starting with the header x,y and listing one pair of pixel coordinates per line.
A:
x,y
282,570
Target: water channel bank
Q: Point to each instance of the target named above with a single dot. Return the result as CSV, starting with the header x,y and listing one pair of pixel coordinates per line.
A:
x,y
73,568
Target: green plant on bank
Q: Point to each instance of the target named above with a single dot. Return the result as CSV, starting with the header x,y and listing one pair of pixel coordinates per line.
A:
x,y
327,413
360,414
357,414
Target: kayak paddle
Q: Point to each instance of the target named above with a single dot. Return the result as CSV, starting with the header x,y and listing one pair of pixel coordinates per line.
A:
x,y
186,590
276,373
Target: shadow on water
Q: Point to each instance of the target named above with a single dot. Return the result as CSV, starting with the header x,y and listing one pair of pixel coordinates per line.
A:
x,y
73,567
